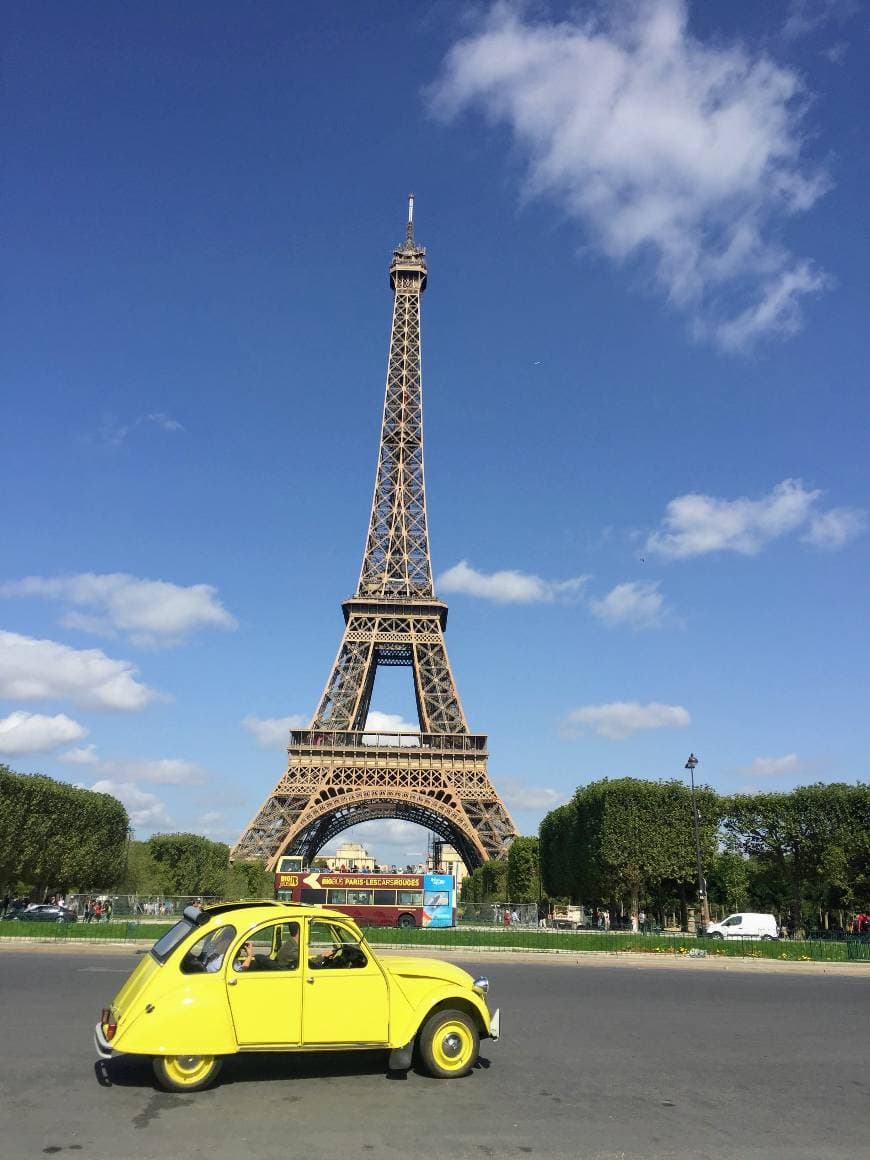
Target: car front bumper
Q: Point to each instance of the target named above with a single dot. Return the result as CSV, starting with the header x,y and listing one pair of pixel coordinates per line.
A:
x,y
495,1025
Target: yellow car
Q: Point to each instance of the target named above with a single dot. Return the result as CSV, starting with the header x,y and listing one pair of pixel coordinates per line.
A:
x,y
272,976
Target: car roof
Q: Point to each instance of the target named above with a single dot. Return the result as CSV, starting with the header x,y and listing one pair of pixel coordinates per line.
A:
x,y
249,913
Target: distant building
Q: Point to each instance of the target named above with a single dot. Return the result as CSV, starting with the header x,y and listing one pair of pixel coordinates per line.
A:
x,y
350,856
445,860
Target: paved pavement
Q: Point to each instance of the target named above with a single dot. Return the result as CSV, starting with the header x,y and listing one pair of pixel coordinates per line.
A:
x,y
595,1063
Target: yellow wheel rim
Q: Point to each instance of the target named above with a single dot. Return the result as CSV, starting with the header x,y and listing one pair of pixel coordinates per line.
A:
x,y
187,1069
452,1046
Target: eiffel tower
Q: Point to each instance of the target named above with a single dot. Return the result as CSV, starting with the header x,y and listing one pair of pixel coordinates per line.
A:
x,y
339,773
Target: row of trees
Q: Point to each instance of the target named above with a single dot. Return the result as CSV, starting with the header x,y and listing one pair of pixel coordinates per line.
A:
x,y
514,880
55,835
630,842
191,865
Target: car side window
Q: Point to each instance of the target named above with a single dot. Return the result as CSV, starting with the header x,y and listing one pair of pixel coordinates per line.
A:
x,y
333,947
735,921
272,948
207,953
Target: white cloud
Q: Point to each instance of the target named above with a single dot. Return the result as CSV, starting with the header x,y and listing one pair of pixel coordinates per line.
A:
x,y
774,766
806,16
834,528
391,727
148,611
695,524
83,755
158,770
638,603
145,809
273,732
33,670
34,733
115,434
518,796
659,146
508,587
621,718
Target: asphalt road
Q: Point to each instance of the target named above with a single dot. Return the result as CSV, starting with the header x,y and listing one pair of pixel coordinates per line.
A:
x,y
596,1061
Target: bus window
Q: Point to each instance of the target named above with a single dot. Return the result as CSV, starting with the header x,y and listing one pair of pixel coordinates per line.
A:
x,y
385,898
359,898
336,898
314,897
410,898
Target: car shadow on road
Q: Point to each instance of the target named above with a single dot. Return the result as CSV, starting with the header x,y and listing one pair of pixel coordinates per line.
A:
x,y
260,1067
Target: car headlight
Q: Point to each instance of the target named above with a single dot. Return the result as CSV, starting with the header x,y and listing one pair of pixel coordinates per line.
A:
x,y
481,984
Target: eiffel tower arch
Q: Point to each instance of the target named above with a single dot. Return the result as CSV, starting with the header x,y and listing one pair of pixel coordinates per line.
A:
x,y
338,772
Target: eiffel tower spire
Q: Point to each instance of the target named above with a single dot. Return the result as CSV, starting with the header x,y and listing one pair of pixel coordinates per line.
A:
x,y
396,560
340,774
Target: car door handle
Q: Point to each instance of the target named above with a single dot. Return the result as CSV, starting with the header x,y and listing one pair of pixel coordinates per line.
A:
x,y
310,979
232,982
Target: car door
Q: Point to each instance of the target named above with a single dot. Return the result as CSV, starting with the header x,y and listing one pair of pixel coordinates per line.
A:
x,y
265,997
733,926
345,999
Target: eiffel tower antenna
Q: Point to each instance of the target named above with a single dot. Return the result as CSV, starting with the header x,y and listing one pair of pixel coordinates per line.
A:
x,y
339,773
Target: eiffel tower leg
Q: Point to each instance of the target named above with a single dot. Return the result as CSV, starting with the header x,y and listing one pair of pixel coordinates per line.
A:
x,y
348,692
438,702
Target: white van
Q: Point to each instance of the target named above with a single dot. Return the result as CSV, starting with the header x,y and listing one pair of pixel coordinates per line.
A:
x,y
744,925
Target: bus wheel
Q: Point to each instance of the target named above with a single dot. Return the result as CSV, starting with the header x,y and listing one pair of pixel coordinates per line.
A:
x,y
405,921
449,1044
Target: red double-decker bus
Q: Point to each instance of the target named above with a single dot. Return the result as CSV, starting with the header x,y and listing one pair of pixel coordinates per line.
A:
x,y
403,900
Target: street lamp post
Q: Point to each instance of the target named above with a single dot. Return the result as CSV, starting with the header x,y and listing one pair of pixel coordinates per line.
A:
x,y
702,885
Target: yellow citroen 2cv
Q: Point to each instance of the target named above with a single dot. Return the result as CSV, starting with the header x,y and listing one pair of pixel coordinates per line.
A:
x,y
269,976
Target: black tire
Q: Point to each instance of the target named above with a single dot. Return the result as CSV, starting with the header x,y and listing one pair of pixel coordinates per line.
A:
x,y
186,1073
449,1044
716,934
406,921
767,938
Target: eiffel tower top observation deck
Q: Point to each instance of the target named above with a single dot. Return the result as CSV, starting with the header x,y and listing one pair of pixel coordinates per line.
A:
x,y
339,773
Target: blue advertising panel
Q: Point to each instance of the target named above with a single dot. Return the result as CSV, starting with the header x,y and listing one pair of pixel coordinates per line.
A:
x,y
438,899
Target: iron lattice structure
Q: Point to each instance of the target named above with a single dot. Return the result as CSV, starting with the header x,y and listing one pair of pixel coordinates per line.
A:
x,y
339,773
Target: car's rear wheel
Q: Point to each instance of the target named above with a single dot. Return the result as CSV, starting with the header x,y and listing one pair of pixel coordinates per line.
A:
x,y
449,1043
406,921
767,938
186,1073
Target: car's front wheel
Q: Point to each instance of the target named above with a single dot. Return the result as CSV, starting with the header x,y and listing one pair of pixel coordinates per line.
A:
x,y
716,934
186,1073
449,1043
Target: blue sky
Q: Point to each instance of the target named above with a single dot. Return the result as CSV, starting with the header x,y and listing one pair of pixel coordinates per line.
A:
x,y
645,385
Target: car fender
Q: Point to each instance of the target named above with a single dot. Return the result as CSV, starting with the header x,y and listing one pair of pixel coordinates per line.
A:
x,y
190,1019
407,1022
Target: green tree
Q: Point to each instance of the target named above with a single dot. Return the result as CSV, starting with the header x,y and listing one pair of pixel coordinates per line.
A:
x,y
493,876
249,880
626,840
523,884
190,864
57,835
813,841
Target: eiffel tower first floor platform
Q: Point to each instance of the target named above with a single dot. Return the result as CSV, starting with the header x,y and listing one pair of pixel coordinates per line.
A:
x,y
338,779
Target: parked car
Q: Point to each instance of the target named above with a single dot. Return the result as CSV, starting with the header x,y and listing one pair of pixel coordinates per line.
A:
x,y
44,912
272,976
744,925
